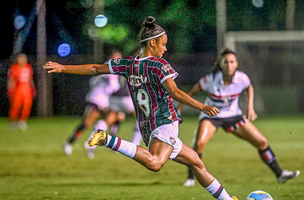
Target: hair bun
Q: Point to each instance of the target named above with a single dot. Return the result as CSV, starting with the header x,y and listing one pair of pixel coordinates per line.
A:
x,y
149,21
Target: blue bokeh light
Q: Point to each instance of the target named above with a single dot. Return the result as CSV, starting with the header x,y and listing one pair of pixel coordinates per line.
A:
x,y
19,21
101,20
64,50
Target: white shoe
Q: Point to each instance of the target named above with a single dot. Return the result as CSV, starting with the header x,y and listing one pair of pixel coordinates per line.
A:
x,y
68,149
286,175
89,150
189,183
22,125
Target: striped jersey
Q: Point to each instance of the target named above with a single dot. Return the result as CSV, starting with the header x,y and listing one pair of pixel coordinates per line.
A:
x,y
224,97
153,104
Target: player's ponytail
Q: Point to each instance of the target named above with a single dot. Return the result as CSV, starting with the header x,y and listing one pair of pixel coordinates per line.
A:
x,y
150,30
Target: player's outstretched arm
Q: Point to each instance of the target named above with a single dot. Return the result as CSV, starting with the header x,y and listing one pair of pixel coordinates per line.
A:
x,y
195,89
251,114
87,69
184,98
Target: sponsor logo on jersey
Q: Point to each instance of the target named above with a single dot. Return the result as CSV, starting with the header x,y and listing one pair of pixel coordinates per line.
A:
x,y
137,80
172,140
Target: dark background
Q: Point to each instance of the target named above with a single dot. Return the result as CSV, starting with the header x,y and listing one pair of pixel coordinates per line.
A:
x,y
190,25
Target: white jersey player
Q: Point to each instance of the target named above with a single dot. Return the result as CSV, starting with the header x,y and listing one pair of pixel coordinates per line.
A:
x,y
98,98
223,87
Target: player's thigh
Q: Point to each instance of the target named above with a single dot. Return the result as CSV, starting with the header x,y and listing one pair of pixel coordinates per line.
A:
x,y
160,150
91,115
111,118
187,156
17,102
205,132
251,133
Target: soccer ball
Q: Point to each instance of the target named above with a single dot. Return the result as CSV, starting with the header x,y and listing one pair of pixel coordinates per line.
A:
x,y
259,195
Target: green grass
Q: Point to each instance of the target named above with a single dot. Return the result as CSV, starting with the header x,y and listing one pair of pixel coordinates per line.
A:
x,y
33,166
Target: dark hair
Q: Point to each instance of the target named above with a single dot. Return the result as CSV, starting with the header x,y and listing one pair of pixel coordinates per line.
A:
x,y
149,29
224,51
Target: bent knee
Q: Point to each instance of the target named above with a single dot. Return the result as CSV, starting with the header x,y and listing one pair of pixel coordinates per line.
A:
x,y
197,163
200,146
262,143
155,165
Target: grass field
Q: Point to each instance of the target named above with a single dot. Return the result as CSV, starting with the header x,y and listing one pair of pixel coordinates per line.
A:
x,y
33,166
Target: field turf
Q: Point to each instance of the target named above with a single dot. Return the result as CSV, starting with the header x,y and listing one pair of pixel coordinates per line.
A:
x,y
33,166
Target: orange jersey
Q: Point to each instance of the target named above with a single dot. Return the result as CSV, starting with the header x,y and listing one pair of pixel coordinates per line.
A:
x,y
22,76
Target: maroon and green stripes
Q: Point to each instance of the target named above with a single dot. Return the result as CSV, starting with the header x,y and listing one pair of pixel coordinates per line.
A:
x,y
218,192
114,143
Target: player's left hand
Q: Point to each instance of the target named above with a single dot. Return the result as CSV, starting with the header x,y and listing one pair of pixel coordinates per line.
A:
x,y
251,115
53,67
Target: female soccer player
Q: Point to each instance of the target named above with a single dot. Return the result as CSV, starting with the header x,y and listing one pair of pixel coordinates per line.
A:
x,y
224,86
152,87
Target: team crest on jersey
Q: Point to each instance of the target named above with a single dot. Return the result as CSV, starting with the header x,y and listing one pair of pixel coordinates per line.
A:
x,y
116,61
166,67
172,140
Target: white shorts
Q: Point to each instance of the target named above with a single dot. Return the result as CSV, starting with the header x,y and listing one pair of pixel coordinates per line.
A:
x,y
121,104
168,133
99,99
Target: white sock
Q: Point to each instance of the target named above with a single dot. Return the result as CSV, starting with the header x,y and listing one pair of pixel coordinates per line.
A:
x,y
218,191
101,124
124,147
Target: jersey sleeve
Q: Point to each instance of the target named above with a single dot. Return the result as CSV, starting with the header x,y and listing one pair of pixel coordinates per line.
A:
x,y
165,71
204,82
119,66
245,80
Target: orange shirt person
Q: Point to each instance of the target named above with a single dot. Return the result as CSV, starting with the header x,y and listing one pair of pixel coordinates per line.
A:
x,y
21,90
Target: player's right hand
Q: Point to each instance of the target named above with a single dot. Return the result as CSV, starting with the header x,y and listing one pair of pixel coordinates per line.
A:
x,y
211,111
53,67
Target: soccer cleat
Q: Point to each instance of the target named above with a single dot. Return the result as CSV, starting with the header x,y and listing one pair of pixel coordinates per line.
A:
x,y
234,198
89,150
67,148
98,138
189,183
286,175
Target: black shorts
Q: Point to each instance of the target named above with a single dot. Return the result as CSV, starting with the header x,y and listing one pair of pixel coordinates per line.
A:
x,y
229,124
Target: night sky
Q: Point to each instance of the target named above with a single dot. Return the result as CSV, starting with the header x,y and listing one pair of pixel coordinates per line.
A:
x,y
70,27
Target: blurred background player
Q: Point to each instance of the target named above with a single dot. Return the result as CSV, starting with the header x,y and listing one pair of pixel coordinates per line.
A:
x,y
120,104
224,86
21,91
101,88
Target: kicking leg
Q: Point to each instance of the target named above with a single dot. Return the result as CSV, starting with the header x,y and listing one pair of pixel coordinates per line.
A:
x,y
153,159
